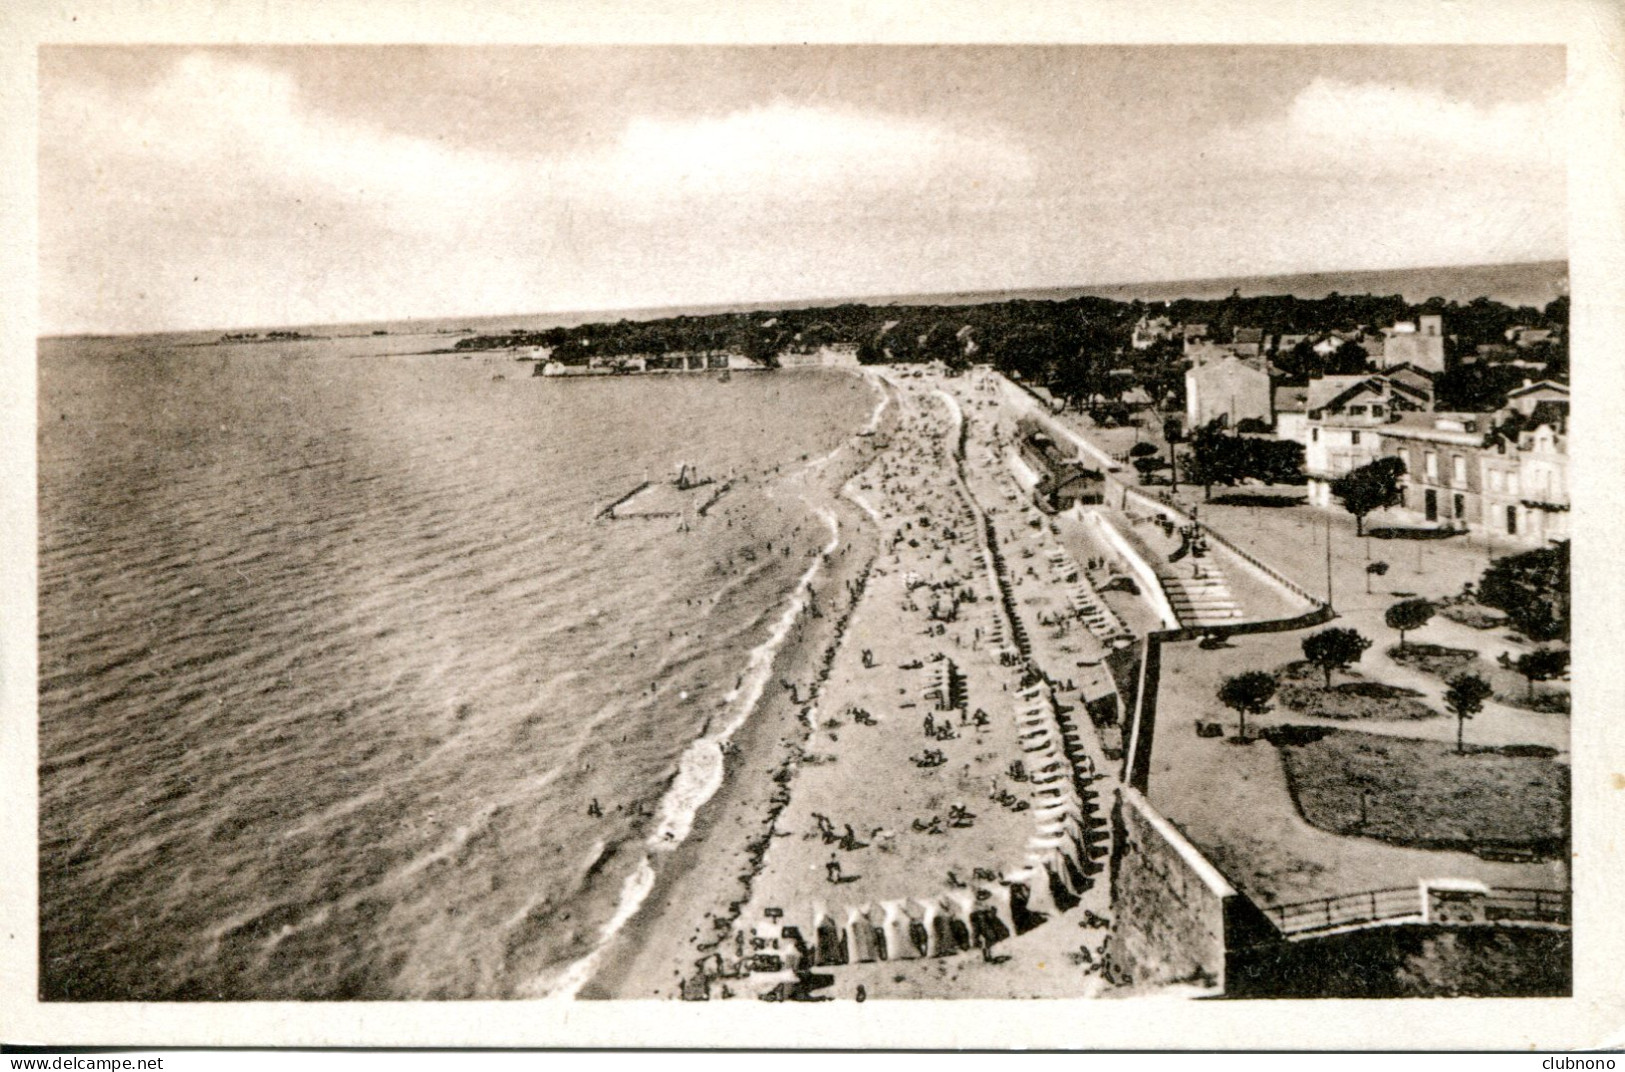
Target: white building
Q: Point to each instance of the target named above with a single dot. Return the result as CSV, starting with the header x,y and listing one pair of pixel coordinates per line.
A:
x,y
1346,415
1222,384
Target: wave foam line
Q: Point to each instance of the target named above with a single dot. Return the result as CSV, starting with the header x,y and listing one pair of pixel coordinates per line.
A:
x,y
699,772
880,406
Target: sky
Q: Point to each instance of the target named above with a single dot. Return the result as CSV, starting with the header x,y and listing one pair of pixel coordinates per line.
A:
x,y
234,187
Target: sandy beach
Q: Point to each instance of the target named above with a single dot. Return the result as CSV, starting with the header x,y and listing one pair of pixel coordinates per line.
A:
x,y
911,757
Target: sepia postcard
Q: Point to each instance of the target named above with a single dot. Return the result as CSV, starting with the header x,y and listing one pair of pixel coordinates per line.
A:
x,y
736,527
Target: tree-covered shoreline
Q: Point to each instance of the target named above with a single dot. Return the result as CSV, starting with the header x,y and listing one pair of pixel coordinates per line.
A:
x,y
1080,348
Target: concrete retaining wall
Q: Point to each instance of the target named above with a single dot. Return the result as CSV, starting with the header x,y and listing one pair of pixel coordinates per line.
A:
x,y
1150,586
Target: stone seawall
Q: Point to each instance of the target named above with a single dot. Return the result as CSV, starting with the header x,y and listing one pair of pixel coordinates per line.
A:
x,y
1171,905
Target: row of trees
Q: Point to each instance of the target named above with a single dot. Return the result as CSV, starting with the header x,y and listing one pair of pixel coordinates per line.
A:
x,y
1216,455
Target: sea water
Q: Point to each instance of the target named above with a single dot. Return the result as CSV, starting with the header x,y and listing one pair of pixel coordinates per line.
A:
x,y
335,657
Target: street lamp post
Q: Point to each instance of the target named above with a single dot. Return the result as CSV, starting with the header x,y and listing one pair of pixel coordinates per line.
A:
x,y
1328,559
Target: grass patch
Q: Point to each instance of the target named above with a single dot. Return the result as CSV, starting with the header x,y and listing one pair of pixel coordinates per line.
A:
x,y
1510,687
1546,701
1435,659
1394,532
1303,690
1410,961
1421,794
1473,615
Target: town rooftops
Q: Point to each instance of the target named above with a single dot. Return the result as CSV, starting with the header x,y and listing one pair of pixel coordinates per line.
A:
x,y
1291,400
1464,429
1523,335
1332,392
1213,353
1324,391
1537,386
1415,370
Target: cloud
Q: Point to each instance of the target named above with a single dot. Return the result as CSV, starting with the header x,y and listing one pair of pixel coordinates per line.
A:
x,y
783,153
236,126
1379,129
216,128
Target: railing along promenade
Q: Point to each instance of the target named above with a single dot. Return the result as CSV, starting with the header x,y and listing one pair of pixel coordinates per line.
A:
x,y
1169,503
1506,904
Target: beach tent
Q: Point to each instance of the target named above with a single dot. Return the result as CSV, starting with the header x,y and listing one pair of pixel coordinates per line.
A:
x,y
949,933
987,928
906,934
866,945
995,898
1022,912
830,938
1063,892
1033,880
875,916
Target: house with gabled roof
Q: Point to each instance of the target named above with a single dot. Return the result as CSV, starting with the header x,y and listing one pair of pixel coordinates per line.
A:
x,y
1418,382
1345,416
1419,343
1535,392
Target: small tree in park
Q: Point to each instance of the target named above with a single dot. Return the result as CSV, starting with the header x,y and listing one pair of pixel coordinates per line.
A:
x,y
1248,694
1334,649
1409,614
1465,697
1370,487
1374,569
1542,664
1142,450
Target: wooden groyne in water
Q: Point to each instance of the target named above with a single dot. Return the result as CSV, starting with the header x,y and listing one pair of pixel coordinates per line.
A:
x,y
609,511
712,501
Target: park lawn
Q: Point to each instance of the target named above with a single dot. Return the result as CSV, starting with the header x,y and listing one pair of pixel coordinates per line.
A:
x,y
1423,794
1474,615
1303,690
1509,686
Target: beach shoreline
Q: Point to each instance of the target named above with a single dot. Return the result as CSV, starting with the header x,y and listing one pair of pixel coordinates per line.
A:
x,y
707,878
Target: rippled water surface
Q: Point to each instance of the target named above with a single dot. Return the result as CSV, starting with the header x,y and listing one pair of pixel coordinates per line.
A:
x,y
334,658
